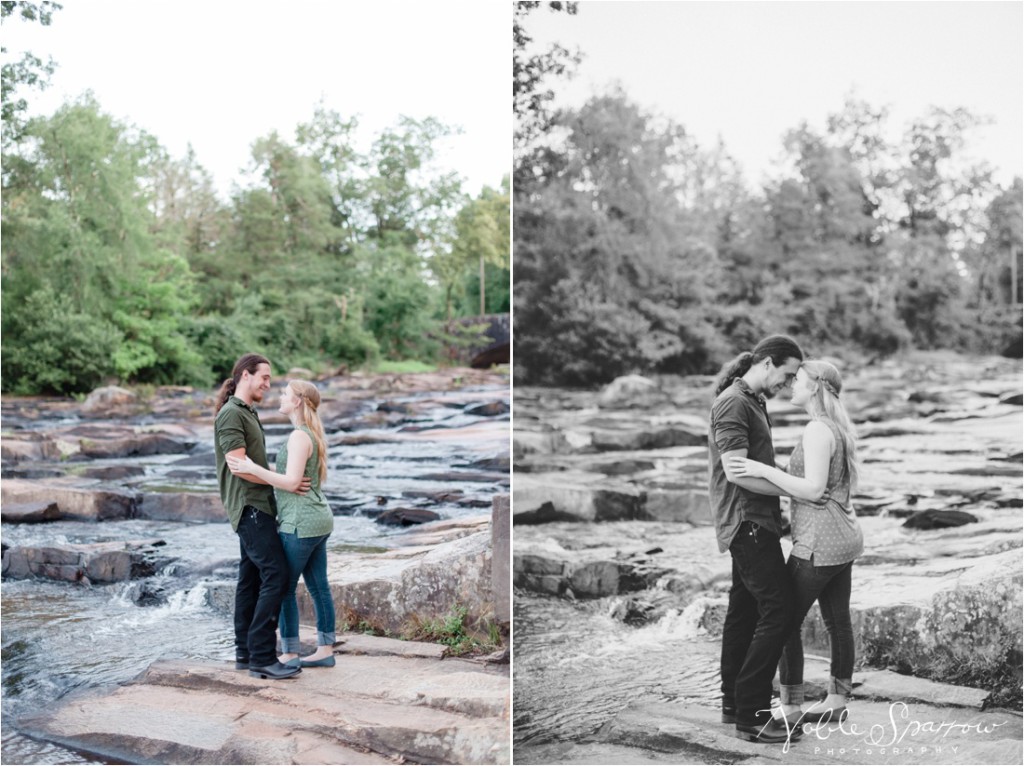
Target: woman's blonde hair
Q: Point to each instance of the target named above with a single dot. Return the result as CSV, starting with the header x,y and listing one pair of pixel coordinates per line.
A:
x,y
309,398
827,404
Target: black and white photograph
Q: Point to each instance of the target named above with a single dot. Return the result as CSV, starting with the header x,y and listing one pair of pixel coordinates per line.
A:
x,y
767,425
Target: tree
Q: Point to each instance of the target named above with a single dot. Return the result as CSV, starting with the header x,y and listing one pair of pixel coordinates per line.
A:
x,y
28,71
531,91
78,224
478,262
530,101
611,273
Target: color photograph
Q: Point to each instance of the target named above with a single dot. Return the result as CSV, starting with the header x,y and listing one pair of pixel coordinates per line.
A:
x,y
255,382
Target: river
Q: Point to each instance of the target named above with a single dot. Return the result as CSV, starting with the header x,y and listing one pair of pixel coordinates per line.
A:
x,y
60,637
939,432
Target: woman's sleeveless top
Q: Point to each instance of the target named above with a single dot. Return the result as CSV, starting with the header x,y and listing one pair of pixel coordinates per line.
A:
x,y
305,515
828,529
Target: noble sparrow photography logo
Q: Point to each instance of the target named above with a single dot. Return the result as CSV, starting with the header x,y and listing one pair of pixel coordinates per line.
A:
x,y
902,734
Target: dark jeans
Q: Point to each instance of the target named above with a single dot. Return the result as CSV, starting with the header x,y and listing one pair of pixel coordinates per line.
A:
x,y
830,587
307,556
262,583
757,623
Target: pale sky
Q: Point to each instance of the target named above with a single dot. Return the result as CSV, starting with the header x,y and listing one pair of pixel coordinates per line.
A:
x,y
749,71
222,73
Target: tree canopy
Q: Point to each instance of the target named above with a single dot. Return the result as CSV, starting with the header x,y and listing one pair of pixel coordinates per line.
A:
x,y
637,250
120,262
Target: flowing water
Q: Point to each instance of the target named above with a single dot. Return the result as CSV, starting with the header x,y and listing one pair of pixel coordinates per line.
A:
x,y
60,638
577,666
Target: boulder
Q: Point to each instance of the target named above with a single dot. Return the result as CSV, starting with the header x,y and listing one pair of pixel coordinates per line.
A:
x,y
393,588
490,409
110,401
135,444
112,472
87,563
28,447
181,506
682,505
75,501
628,391
647,438
29,513
572,495
938,519
406,517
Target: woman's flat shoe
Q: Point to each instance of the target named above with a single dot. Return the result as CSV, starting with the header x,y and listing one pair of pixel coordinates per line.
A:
x,y
828,715
326,662
294,662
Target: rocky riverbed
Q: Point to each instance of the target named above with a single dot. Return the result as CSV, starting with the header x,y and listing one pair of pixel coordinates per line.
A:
x,y
117,552
620,590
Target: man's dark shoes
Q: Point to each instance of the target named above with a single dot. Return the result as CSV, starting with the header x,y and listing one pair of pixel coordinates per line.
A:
x,y
274,671
773,732
241,663
728,714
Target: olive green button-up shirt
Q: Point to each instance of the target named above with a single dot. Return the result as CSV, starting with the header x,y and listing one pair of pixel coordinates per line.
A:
x,y
238,425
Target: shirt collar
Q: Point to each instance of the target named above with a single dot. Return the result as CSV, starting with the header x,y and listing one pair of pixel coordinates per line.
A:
x,y
743,386
243,404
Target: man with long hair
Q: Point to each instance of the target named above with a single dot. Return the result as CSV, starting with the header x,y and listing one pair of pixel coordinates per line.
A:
x,y
252,511
748,523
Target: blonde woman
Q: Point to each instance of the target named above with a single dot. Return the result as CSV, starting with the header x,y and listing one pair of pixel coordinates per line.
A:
x,y
826,536
305,521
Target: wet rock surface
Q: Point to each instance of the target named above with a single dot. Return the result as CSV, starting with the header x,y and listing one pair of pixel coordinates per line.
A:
x,y
108,477
384,702
625,535
88,563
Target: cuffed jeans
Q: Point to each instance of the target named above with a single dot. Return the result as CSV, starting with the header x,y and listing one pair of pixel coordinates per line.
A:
x,y
830,586
262,582
307,556
757,623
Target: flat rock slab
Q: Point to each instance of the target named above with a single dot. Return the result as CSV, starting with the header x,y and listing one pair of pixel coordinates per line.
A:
x,y
885,684
364,710
79,499
182,506
29,513
358,643
85,563
876,733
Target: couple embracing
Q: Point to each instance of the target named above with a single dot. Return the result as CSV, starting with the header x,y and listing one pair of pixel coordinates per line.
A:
x,y
770,597
281,518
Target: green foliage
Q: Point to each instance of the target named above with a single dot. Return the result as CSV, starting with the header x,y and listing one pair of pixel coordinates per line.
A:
x,y
49,347
78,225
29,71
638,251
481,242
612,275
450,630
319,259
531,70
401,367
